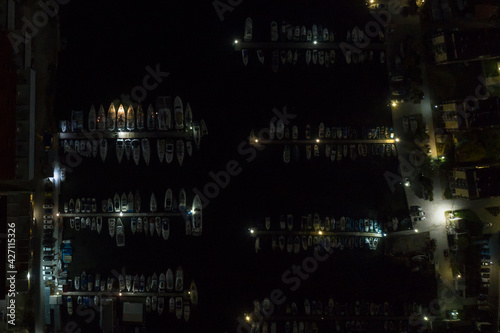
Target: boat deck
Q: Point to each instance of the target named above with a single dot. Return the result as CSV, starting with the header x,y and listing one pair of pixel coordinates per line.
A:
x,y
309,45
184,294
125,135
315,233
323,141
122,214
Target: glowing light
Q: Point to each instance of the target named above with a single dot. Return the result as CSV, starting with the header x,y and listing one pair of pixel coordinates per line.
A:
x,y
320,232
393,103
57,293
252,231
247,318
119,294
236,41
256,140
317,140
189,292
121,214
397,139
315,42
28,275
425,318
57,214
459,276
385,235
416,230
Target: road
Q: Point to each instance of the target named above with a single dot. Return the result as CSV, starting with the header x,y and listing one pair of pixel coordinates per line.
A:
x,y
435,222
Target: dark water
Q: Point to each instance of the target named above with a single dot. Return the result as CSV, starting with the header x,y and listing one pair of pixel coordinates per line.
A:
x,y
109,44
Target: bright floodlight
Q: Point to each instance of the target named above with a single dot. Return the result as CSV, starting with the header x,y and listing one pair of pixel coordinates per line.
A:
x,y
317,140
459,276
425,318
315,42
119,294
416,230
57,214
252,231
28,275
393,103
121,214
320,232
385,235
247,318
397,139
235,41
256,140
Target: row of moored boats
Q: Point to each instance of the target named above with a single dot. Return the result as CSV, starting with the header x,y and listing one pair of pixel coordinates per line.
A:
x,y
315,223
133,149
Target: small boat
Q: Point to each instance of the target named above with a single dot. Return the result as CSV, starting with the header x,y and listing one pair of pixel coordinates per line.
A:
x,y
154,282
162,119
120,234
189,147
272,130
179,279
283,57
92,119
197,216
295,132
280,129
128,282
178,307
179,146
110,207
182,200
117,204
178,113
296,245
161,283
99,224
274,31
308,152
151,226
121,282
148,304
248,30
268,223
315,32
193,293
188,117
289,56
282,222
103,148
152,203
154,302
135,285
128,148
168,200
160,146
304,242
321,131
260,55
169,154
83,281
77,283
111,226
133,225
158,225
120,118
151,118
93,224
286,154
139,225
146,150
130,118
69,305
90,282
136,151
101,119
257,244
165,228
140,118
289,222
170,280
120,148
315,57
111,119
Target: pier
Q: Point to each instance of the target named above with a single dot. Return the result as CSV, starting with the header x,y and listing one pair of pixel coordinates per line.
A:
x,y
240,45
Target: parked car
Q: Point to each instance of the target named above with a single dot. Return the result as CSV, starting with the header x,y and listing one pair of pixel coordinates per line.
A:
x,y
415,208
48,277
48,226
47,206
397,78
486,263
48,258
400,92
47,249
47,272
